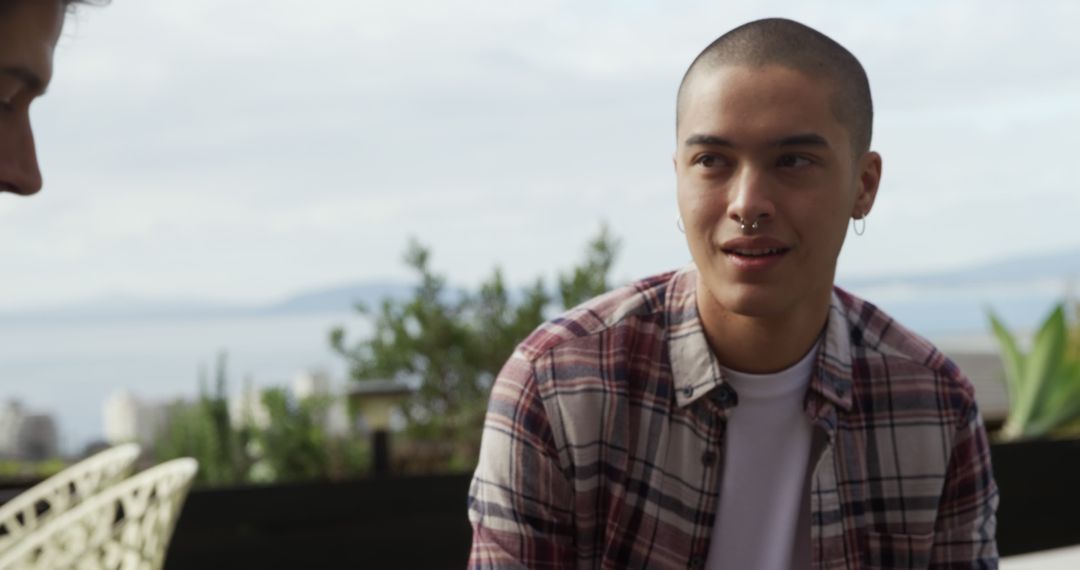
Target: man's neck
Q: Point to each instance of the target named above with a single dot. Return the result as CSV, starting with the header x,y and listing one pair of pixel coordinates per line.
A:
x,y
760,345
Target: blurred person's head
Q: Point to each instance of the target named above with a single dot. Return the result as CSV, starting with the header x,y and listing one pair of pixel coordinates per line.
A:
x,y
29,30
773,126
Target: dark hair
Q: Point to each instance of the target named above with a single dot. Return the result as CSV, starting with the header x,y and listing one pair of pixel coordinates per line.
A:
x,y
791,44
69,4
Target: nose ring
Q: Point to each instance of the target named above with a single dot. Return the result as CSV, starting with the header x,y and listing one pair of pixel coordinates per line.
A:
x,y
749,228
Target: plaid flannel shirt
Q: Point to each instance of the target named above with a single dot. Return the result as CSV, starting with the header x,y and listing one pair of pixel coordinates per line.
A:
x,y
603,443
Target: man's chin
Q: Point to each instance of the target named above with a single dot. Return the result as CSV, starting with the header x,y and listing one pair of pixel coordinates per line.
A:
x,y
751,301
754,307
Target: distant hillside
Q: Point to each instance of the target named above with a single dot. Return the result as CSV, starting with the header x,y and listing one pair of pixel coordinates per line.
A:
x,y
126,307
342,298
1053,266
123,307
1019,288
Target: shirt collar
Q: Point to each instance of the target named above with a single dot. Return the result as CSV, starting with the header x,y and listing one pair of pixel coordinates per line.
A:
x,y
832,378
693,364
696,371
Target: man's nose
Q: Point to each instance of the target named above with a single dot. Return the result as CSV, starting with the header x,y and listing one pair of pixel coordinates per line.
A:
x,y
19,170
750,196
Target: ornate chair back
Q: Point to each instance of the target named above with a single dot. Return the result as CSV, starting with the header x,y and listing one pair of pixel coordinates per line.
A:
x,y
125,527
56,495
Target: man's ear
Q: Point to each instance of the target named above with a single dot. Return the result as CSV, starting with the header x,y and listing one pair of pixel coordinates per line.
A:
x,y
867,185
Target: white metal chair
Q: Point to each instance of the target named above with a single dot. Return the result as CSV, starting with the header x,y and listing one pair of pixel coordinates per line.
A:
x,y
124,527
1067,558
63,491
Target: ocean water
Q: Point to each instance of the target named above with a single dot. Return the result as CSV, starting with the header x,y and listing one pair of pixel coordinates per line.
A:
x,y
69,368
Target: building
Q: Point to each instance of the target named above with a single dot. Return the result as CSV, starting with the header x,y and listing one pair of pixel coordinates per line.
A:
x,y
27,435
248,410
334,417
129,419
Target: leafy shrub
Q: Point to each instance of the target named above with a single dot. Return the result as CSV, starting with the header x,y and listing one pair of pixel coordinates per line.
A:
x,y
452,344
1044,384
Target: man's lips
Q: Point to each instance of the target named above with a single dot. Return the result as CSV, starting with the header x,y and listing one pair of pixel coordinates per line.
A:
x,y
753,247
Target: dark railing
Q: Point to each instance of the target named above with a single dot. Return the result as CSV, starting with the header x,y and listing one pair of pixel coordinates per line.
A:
x,y
392,522
421,522
10,487
1040,494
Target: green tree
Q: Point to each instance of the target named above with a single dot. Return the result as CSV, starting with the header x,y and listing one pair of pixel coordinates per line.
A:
x,y
1074,330
452,343
203,430
291,445
294,445
591,277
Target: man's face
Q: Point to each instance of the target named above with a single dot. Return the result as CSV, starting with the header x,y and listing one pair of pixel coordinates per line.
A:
x,y
29,30
763,144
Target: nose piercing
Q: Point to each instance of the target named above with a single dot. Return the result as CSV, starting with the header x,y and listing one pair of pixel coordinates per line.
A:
x,y
749,228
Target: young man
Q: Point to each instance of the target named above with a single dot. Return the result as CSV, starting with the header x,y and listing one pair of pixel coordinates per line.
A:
x,y
29,30
743,412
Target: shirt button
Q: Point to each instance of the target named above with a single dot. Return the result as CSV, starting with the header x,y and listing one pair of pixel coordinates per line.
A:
x,y
724,395
697,562
708,458
688,391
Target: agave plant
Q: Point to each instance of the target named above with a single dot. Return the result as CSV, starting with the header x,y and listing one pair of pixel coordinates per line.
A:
x,y
1044,384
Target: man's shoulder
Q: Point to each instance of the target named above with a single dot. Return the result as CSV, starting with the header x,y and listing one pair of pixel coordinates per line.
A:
x,y
883,347
625,309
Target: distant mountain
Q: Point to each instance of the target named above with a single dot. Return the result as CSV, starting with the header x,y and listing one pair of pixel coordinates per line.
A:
x,y
342,298
1058,266
127,307
1021,286
1020,290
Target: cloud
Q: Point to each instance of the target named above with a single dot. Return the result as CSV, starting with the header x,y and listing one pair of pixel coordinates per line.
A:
x,y
248,149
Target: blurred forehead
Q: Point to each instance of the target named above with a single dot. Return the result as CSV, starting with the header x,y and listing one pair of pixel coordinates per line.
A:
x,y
29,30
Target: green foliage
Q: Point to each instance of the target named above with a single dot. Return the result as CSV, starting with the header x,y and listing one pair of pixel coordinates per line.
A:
x,y
203,430
591,278
1073,349
293,445
1044,384
19,469
453,343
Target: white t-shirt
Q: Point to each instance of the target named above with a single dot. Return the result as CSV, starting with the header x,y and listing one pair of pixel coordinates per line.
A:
x,y
763,522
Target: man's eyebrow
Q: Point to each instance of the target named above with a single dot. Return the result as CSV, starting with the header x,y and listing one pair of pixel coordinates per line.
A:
x,y
708,140
29,78
804,139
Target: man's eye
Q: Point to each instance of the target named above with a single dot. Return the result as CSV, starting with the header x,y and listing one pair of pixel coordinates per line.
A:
x,y
793,161
8,93
708,160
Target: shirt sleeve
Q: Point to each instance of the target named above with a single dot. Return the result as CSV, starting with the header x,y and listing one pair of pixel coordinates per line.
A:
x,y
966,522
520,500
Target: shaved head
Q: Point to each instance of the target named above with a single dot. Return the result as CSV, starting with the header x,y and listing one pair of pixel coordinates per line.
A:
x,y
72,3
64,3
776,41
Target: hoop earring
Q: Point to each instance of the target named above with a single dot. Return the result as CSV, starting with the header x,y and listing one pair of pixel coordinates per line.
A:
x,y
858,228
678,224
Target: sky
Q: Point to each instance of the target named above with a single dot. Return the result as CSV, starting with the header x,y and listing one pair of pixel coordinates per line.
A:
x,y
242,151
